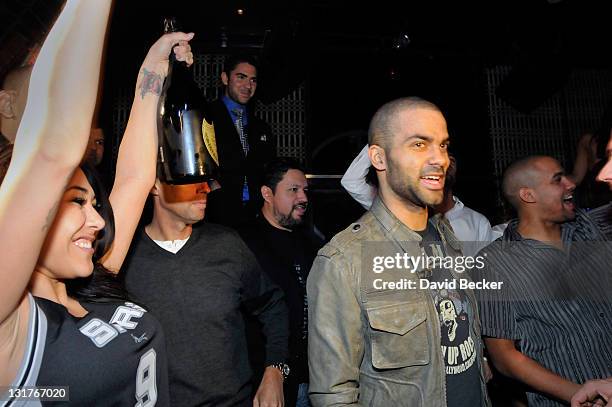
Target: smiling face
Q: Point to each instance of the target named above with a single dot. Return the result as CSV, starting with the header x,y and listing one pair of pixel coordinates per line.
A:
x,y
69,245
417,157
241,83
554,191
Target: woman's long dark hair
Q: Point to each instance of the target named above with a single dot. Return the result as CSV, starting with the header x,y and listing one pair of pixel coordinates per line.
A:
x,y
101,285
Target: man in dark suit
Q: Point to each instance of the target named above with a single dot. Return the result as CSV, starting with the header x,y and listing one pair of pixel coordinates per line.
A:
x,y
244,144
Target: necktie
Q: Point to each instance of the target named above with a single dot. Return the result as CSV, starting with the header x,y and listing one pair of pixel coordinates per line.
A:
x,y
241,130
245,147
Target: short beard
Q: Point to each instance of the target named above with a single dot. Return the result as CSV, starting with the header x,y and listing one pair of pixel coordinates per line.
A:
x,y
287,221
405,191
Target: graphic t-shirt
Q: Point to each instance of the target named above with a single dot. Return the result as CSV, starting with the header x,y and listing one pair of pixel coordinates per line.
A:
x,y
458,346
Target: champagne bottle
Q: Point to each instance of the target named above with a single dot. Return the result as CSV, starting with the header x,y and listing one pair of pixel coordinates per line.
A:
x,y
187,148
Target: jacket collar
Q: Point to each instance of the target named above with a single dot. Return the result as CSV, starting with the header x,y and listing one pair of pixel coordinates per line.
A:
x,y
232,105
401,232
456,210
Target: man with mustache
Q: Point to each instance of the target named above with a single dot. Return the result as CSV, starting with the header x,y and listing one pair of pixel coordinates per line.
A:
x,y
244,144
285,248
375,338
198,280
554,302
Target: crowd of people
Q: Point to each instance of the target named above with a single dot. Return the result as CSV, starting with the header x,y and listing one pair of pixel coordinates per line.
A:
x,y
417,303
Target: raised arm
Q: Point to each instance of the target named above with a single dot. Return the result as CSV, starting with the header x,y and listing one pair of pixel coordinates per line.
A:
x,y
50,141
136,163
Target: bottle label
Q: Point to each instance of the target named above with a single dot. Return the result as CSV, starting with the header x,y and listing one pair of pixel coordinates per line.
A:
x,y
208,133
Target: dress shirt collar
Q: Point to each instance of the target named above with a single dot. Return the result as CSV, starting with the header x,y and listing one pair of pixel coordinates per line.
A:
x,y
456,210
232,105
582,228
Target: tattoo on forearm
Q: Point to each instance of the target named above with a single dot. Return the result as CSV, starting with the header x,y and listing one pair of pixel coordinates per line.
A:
x,y
151,83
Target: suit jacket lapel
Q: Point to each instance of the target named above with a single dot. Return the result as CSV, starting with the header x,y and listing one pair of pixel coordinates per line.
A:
x,y
231,139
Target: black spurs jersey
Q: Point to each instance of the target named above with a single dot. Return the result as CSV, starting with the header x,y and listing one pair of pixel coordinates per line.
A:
x,y
113,356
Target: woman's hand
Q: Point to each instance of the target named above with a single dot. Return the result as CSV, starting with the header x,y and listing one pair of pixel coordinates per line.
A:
x,y
157,58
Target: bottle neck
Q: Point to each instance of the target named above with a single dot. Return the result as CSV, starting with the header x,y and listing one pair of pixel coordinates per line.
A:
x,y
180,86
180,71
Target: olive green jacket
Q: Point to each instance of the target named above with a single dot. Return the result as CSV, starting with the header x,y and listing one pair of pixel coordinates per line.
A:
x,y
377,347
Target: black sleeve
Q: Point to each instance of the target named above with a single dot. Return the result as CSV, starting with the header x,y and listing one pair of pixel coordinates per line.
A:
x,y
265,300
267,140
270,152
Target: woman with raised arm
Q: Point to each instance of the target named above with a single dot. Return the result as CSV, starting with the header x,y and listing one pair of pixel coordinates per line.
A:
x,y
59,326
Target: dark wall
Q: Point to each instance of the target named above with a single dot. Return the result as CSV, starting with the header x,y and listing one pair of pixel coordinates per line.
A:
x,y
346,90
345,57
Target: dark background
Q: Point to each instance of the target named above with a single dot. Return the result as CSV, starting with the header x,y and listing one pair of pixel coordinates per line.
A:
x,y
354,56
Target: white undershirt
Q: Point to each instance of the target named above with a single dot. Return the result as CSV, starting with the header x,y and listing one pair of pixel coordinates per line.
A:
x,y
172,246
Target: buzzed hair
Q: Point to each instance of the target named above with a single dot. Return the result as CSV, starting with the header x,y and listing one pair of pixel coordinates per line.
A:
x,y
520,174
383,123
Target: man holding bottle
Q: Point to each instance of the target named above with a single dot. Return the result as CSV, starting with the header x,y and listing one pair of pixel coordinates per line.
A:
x,y
244,145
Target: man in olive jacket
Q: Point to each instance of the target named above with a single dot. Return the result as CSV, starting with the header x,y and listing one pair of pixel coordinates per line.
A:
x,y
379,334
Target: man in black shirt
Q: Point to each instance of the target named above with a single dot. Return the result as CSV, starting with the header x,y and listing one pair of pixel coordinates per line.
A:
x,y
285,250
